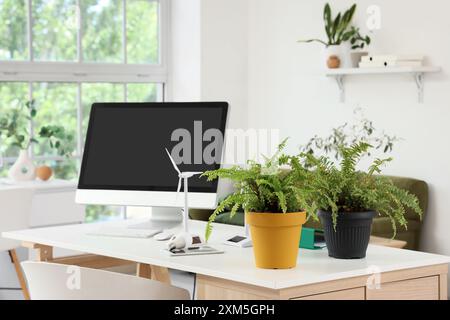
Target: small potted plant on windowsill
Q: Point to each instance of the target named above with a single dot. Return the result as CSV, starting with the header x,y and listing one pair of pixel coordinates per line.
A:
x,y
15,131
60,141
347,200
273,201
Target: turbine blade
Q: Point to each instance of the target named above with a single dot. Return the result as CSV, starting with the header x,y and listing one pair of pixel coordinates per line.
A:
x,y
173,162
190,174
179,187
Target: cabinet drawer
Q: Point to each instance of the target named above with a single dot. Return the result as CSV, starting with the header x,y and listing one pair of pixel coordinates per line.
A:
x,y
349,294
414,289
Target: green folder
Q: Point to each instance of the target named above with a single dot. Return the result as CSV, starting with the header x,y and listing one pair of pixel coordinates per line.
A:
x,y
312,239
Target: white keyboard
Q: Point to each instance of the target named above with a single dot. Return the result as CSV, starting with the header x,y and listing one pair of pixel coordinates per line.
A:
x,y
124,232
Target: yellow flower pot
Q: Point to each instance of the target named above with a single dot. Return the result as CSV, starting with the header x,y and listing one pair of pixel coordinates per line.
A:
x,y
275,238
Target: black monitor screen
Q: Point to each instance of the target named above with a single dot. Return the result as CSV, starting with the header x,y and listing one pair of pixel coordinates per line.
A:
x,y
126,142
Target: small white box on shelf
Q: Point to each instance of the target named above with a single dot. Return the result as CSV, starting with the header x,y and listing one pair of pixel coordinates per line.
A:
x,y
390,63
393,57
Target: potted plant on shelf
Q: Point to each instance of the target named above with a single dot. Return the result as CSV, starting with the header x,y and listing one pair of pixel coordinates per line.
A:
x,y
15,131
358,43
273,201
347,200
341,37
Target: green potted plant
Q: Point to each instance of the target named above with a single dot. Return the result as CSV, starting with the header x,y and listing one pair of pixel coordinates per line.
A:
x,y
272,198
341,37
347,200
60,141
349,133
14,131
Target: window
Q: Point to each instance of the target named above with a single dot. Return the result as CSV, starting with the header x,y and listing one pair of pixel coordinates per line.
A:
x,y
67,54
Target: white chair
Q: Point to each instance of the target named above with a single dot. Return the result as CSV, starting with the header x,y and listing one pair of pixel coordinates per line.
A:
x,y
15,209
52,281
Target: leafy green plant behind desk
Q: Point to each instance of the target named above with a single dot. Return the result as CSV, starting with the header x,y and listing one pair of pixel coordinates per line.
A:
x,y
347,134
344,189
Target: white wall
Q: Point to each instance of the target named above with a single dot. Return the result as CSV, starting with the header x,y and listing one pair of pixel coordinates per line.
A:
x,y
224,56
185,51
249,56
208,58
287,89
209,54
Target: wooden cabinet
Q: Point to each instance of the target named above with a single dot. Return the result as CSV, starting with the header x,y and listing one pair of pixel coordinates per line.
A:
x,y
349,294
415,289
422,283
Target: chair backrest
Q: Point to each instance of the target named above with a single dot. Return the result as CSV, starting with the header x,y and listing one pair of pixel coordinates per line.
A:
x,y
15,210
51,281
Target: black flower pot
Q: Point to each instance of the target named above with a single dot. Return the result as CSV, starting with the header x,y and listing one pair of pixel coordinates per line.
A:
x,y
352,235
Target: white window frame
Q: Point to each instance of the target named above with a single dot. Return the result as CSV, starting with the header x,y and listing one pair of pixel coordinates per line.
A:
x,y
81,72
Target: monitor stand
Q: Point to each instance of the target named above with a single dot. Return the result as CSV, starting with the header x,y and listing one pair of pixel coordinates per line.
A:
x,y
161,219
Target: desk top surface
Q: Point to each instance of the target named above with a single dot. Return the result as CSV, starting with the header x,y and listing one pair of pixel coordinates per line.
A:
x,y
235,264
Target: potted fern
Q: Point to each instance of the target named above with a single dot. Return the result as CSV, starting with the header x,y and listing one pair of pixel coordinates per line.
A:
x,y
347,200
273,200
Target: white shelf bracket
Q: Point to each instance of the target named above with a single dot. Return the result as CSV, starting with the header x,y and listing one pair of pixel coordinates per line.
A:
x,y
419,78
340,83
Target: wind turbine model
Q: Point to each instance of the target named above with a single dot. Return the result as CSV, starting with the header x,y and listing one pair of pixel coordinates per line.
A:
x,y
184,239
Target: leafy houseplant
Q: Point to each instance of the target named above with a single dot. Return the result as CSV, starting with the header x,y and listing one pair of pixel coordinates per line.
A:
x,y
348,199
357,40
13,126
273,201
15,131
339,31
58,139
348,134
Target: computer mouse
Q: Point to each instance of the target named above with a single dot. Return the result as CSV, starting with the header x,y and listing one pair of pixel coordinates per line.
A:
x,y
163,236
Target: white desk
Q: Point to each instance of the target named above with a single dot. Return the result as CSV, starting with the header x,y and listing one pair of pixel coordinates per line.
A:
x,y
232,275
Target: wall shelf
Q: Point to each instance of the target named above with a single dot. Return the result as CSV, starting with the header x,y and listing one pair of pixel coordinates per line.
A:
x,y
418,73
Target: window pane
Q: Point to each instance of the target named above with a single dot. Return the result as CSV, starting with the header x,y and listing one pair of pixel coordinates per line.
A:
x,y
65,169
12,95
3,170
142,31
56,104
99,92
147,92
102,213
91,93
54,30
13,30
102,30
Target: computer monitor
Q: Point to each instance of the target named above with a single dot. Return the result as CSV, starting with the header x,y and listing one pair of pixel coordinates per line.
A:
x,y
125,162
